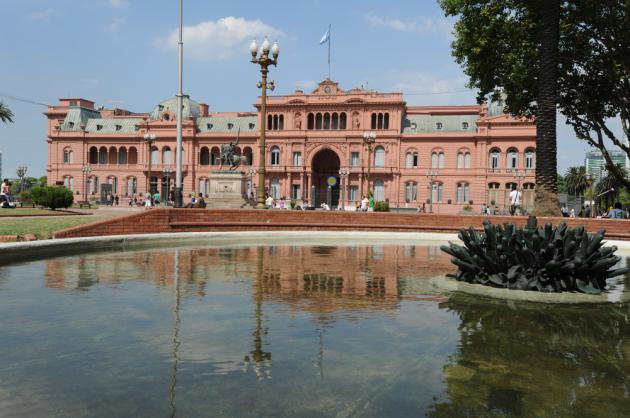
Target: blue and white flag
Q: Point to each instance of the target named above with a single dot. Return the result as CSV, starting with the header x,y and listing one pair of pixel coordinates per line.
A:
x,y
326,37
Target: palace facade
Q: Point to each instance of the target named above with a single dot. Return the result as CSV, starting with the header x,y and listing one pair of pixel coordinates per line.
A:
x,y
315,149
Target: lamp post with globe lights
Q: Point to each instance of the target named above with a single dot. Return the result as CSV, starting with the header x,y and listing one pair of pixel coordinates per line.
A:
x,y
343,174
262,58
369,138
149,139
167,170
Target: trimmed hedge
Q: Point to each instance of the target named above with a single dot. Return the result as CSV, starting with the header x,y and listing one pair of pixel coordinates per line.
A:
x,y
381,207
53,197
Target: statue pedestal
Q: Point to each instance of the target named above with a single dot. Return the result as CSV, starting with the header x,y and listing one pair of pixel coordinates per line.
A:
x,y
227,190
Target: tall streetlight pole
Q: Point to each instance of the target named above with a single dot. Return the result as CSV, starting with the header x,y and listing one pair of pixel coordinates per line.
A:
x,y
431,176
369,138
264,61
180,96
167,173
149,139
87,169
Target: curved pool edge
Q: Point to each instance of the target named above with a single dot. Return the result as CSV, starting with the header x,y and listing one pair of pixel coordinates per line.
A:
x,y
18,251
443,284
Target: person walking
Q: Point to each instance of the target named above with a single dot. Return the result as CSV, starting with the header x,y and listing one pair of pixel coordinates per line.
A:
x,y
364,204
147,200
515,200
617,212
156,198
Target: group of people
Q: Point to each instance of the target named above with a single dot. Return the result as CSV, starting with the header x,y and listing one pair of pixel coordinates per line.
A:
x,y
613,212
365,204
6,201
284,203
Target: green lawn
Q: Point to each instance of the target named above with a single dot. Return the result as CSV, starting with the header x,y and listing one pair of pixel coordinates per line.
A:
x,y
44,228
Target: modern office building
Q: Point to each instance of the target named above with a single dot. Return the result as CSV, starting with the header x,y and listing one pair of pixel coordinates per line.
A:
x,y
445,156
596,164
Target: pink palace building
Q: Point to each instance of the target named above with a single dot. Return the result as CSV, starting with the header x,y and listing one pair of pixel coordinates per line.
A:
x,y
450,156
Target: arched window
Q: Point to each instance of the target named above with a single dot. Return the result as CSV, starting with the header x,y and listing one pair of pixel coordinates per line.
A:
x,y
132,186
441,160
495,159
275,122
204,185
215,156
493,193
342,121
166,155
318,121
379,190
373,124
411,191
386,121
113,155
93,155
512,160
275,155
114,182
467,159
379,157
68,182
437,192
310,121
460,160
102,155
274,188
133,155
155,155
204,156
326,120
411,159
463,192
122,155
247,153
281,122
434,160
380,121
67,156
529,159
335,121
269,122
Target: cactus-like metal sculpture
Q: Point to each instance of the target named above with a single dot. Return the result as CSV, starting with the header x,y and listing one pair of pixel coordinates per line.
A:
x,y
545,259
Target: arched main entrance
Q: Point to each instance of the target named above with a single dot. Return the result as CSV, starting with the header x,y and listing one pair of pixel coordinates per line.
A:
x,y
325,165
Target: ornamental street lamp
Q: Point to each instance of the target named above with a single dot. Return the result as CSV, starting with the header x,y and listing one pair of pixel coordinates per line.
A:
x,y
149,139
87,169
343,175
167,173
431,176
21,172
262,58
251,172
590,179
369,138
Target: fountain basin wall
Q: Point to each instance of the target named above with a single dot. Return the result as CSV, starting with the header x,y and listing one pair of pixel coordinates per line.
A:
x,y
202,220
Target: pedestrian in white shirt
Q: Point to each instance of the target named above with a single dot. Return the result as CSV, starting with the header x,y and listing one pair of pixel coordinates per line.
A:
x,y
515,200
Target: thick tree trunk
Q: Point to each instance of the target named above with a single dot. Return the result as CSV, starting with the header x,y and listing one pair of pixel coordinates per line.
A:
x,y
546,202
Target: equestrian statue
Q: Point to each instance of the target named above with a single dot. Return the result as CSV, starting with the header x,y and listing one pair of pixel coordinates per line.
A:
x,y
229,155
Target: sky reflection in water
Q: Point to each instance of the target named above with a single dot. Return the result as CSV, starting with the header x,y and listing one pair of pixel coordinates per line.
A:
x,y
293,331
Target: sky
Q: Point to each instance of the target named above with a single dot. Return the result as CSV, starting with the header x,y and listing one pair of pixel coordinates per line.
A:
x,y
123,53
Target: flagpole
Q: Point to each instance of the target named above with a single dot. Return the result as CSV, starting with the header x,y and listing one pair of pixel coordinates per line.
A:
x,y
329,40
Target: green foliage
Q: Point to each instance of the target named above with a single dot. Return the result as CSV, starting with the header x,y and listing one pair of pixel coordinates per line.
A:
x,y
6,115
26,195
42,181
562,184
53,197
545,259
293,203
576,180
381,206
468,208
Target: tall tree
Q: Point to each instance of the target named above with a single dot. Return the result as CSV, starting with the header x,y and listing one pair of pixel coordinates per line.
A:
x,y
5,113
577,181
511,46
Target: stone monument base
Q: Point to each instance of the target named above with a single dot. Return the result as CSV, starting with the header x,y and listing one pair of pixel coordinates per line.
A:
x,y
227,190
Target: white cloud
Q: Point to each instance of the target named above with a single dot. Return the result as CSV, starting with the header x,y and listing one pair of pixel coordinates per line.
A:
x,y
428,89
43,14
219,40
425,25
118,4
114,25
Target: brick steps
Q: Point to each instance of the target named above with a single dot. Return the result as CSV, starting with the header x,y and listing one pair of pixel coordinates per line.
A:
x,y
183,220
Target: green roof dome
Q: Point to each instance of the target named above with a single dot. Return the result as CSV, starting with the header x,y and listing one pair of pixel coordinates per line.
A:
x,y
191,108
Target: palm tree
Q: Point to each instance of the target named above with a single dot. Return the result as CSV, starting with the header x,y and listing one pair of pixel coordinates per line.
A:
x,y
5,113
577,182
546,147
611,184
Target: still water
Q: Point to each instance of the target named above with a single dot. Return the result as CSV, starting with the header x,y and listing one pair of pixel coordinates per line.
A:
x,y
295,331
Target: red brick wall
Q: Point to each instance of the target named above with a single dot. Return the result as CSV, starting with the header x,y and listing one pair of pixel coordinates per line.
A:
x,y
200,220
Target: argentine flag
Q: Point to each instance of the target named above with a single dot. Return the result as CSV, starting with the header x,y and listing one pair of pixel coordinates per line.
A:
x,y
326,37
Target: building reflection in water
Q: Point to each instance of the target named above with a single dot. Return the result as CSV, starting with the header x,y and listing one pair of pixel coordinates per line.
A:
x,y
518,359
